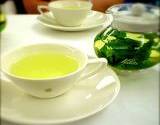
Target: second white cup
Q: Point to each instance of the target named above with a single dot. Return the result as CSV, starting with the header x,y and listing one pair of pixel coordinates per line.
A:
x,y
68,13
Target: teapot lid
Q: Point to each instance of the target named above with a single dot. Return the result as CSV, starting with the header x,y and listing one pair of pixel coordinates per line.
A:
x,y
136,17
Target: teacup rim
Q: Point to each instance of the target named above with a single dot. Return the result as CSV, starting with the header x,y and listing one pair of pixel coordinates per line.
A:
x,y
61,1
79,69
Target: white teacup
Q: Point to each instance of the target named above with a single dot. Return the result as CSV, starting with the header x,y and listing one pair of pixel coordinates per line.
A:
x,y
49,87
68,13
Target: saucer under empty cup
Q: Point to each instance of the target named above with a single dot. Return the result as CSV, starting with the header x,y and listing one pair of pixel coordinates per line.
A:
x,y
94,19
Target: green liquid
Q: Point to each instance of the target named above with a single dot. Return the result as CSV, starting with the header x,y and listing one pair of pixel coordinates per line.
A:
x,y
2,21
72,7
127,50
44,65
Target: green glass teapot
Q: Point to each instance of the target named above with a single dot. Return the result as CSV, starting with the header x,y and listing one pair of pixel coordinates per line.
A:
x,y
132,41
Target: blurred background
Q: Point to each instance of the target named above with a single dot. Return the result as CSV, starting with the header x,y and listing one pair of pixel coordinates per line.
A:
x,y
30,6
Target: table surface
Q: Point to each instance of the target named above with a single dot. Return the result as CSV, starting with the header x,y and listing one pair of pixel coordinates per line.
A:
x,y
138,100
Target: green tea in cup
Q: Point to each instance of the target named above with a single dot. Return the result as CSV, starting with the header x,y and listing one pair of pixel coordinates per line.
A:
x,y
37,68
72,7
44,65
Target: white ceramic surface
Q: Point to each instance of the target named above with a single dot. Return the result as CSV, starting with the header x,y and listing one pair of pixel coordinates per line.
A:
x,y
85,99
138,100
93,20
68,13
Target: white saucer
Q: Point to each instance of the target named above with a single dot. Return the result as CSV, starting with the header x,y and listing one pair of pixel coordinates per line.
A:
x,y
85,99
93,20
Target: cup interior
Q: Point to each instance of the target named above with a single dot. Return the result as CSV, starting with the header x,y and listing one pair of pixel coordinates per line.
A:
x,y
71,5
13,56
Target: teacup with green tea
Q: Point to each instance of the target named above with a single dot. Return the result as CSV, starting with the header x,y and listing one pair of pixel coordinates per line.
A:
x,y
47,70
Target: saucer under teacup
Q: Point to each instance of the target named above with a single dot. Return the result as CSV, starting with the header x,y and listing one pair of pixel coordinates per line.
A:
x,y
88,97
93,20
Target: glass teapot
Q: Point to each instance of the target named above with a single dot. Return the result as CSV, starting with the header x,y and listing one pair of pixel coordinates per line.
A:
x,y
132,40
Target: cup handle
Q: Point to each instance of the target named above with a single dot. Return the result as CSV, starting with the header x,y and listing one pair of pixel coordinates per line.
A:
x,y
41,7
101,63
108,18
40,10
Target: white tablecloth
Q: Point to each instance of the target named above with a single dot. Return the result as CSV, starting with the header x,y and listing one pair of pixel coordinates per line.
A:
x,y
137,102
